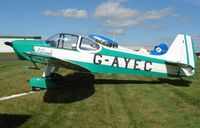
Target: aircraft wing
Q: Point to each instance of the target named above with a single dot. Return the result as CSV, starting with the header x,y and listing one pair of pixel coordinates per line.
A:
x,y
47,59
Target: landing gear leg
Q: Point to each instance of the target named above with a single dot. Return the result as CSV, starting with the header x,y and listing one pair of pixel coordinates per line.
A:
x,y
49,71
46,81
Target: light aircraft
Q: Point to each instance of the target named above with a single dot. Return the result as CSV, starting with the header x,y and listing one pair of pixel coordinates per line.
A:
x,y
98,54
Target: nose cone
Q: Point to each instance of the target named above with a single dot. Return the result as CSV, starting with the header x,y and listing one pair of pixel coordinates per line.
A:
x,y
8,43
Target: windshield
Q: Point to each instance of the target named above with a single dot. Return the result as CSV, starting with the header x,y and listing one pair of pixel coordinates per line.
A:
x,y
63,40
53,40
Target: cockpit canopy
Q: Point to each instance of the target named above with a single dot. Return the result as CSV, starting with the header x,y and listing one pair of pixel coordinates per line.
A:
x,y
72,42
104,40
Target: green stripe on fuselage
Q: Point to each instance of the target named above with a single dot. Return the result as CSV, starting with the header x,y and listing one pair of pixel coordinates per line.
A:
x,y
186,49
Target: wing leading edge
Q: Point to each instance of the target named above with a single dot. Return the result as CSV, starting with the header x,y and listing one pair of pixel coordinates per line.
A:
x,y
47,59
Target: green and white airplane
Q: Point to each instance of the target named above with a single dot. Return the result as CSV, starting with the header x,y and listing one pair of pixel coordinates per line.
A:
x,y
101,55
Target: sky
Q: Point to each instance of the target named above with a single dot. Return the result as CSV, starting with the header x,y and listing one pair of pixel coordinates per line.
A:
x,y
128,22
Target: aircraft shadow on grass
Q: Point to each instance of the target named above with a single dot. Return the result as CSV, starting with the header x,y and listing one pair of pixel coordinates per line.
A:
x,y
12,120
75,87
173,82
79,86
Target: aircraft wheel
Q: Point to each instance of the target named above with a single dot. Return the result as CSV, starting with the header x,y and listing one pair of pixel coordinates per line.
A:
x,y
35,89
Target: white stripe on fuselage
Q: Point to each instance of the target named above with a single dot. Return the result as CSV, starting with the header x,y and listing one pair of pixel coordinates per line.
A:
x,y
113,61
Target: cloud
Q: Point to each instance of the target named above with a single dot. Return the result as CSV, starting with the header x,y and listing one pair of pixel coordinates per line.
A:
x,y
155,15
194,2
120,23
181,17
145,16
112,9
121,0
191,2
119,31
119,16
116,32
153,27
67,13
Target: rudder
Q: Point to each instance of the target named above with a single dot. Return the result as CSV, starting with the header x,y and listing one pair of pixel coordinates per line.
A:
x,y
182,52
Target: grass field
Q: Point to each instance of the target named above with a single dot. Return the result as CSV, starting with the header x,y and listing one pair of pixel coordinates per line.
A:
x,y
8,55
110,101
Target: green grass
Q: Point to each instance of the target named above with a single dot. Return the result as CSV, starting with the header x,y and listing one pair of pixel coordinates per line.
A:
x,y
111,101
8,55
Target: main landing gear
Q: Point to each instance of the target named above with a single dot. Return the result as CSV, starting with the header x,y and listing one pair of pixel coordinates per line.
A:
x,y
47,81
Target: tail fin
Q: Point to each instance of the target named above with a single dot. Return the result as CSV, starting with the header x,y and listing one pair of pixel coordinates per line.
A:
x,y
182,52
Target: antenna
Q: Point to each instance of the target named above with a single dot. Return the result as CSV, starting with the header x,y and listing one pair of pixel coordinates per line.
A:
x,y
114,36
